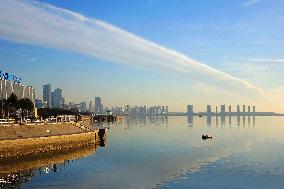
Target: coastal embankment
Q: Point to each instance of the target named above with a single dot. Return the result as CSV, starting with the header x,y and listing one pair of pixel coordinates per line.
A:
x,y
23,165
33,141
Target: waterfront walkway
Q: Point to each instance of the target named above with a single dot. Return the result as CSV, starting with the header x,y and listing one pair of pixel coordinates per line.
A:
x,y
34,131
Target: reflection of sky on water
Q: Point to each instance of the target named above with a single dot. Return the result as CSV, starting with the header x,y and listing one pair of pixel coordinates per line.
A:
x,y
14,174
168,152
16,179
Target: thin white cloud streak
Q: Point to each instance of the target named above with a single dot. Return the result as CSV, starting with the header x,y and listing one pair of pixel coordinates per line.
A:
x,y
276,61
250,3
266,60
41,24
33,60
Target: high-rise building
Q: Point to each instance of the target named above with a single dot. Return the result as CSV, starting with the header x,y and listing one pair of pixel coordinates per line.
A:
x,y
91,107
98,105
222,109
63,101
52,99
244,109
83,106
57,97
208,110
167,109
190,110
47,94
253,110
39,103
238,110
7,87
249,110
230,110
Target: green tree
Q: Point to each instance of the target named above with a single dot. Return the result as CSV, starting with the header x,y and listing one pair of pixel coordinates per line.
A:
x,y
12,104
3,106
13,101
54,112
26,106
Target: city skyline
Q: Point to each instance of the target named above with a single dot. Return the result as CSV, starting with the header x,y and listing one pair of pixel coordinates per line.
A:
x,y
175,58
98,107
142,110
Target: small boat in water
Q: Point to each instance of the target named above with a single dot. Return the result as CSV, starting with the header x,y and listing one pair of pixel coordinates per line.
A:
x,y
204,137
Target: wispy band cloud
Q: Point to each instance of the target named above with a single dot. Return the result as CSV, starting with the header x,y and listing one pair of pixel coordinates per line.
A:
x,y
41,24
253,60
250,3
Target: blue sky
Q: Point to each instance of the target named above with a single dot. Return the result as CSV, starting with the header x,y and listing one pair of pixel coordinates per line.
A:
x,y
243,38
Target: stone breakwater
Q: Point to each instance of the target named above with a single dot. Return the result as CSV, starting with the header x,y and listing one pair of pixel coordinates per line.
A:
x,y
29,142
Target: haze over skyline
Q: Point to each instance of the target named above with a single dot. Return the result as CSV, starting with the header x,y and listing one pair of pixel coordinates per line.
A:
x,y
149,52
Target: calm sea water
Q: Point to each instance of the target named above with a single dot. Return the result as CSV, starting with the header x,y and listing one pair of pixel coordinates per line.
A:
x,y
159,152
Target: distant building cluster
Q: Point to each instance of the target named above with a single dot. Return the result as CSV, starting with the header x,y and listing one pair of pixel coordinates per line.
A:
x,y
51,99
223,111
227,111
55,99
140,110
90,107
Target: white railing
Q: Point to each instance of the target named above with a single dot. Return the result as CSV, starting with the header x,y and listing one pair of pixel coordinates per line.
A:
x,y
7,121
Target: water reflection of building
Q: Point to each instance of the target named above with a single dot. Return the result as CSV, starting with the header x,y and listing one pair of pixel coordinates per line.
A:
x,y
208,120
223,120
217,121
248,120
15,180
190,120
244,120
144,120
238,120
232,121
102,137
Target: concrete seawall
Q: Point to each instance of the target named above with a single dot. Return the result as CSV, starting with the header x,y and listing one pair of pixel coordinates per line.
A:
x,y
29,142
22,165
